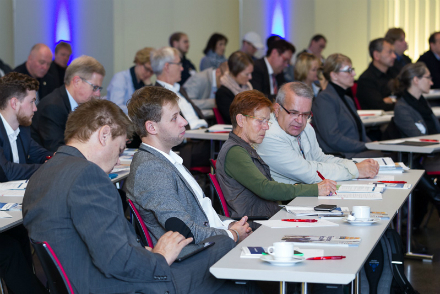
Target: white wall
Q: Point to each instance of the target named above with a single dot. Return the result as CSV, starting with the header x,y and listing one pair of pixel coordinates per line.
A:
x,y
6,32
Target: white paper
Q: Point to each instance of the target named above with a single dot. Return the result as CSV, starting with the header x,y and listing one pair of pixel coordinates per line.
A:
x,y
220,128
4,214
276,224
379,178
359,189
357,196
13,193
14,185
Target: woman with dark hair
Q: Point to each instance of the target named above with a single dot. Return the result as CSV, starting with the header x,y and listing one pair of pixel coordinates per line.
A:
x,y
214,51
412,113
243,176
234,81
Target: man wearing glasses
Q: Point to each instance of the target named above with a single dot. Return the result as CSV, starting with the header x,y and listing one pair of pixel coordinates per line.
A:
x,y
290,147
83,81
267,76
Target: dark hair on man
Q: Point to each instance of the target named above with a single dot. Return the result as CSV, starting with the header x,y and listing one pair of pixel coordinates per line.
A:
x,y
64,45
15,84
92,115
394,34
316,38
271,39
281,46
431,39
238,61
176,37
247,103
403,81
146,104
212,42
377,45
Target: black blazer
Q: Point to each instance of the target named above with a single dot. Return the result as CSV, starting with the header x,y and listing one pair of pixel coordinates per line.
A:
x,y
49,122
48,83
30,154
261,79
223,99
433,64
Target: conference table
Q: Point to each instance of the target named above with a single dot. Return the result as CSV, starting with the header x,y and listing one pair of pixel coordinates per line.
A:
x,y
343,271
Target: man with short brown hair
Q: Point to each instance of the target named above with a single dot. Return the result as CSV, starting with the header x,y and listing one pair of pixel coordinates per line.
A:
x,y
58,67
180,41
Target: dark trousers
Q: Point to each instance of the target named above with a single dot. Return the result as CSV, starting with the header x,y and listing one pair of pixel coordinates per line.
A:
x,y
16,262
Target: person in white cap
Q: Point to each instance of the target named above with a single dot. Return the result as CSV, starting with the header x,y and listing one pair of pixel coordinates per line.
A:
x,y
251,43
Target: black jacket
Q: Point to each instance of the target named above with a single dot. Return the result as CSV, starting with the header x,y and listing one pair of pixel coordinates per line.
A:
x,y
433,64
48,83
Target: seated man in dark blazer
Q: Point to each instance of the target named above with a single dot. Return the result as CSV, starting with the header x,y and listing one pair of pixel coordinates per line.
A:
x,y
78,211
20,157
267,76
37,66
166,194
83,81
432,59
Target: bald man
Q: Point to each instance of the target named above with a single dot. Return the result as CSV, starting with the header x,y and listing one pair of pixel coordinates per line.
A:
x,y
37,66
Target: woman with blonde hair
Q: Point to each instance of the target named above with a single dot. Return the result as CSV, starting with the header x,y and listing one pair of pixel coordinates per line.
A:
x,y
307,70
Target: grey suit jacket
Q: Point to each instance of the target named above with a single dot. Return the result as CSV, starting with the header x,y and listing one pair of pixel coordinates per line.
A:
x,y
160,192
406,118
336,129
199,87
78,211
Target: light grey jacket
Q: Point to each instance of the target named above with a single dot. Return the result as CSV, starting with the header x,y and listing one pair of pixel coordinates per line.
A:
x,y
199,87
287,165
160,192
336,129
406,118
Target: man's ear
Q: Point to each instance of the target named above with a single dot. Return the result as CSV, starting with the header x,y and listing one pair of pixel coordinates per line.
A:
x,y
376,55
276,109
150,127
13,102
104,135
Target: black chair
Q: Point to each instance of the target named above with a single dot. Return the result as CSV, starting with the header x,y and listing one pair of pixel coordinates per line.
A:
x,y
56,276
140,227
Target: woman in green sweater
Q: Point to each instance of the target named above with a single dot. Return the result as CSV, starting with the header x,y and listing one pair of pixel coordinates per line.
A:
x,y
243,176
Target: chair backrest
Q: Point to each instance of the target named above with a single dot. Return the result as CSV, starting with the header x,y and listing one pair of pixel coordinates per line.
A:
x,y
213,163
141,228
356,100
56,276
218,116
219,193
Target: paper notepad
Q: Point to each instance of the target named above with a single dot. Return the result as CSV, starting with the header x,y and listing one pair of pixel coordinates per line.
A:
x,y
14,185
379,178
12,193
309,210
357,196
4,215
359,189
276,224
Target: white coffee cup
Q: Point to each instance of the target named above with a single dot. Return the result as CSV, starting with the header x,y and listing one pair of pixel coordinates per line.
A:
x,y
281,250
361,212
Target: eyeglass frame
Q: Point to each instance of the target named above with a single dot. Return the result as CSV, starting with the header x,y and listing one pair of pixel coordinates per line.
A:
x,y
349,70
147,69
94,87
176,63
261,121
298,114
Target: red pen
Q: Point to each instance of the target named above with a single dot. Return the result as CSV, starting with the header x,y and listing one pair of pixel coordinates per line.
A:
x,y
393,182
428,140
306,220
322,178
326,257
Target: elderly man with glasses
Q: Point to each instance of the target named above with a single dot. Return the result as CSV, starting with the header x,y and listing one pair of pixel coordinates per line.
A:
x,y
290,147
83,81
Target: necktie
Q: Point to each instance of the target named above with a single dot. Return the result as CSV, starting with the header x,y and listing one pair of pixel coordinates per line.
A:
x,y
298,139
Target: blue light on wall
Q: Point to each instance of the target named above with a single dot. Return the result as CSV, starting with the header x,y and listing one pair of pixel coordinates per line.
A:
x,y
62,28
278,20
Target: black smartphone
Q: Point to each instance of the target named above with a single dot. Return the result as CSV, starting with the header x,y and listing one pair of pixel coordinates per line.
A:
x,y
193,249
325,207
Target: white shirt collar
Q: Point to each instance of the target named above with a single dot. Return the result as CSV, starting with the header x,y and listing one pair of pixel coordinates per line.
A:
x,y
73,103
172,156
9,131
175,88
269,67
214,80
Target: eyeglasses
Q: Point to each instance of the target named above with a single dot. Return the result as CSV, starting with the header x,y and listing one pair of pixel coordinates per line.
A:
x,y
428,77
147,69
176,63
95,88
349,70
261,121
295,114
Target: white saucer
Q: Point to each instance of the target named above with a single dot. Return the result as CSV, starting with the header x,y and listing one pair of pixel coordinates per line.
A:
x,y
293,260
358,222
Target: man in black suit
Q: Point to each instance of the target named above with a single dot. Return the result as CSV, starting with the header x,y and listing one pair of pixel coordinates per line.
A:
x,y
58,67
37,66
83,81
167,66
432,59
267,76
20,157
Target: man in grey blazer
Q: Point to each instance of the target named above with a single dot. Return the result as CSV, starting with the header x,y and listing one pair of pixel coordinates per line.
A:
x,y
201,87
78,211
290,147
164,191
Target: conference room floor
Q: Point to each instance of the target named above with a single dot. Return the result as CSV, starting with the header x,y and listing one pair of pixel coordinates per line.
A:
x,y
422,275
